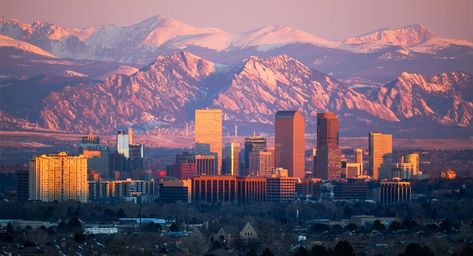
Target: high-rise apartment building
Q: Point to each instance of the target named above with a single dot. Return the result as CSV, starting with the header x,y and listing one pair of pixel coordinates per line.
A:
x,y
208,130
232,158
261,163
380,155
328,163
58,177
289,142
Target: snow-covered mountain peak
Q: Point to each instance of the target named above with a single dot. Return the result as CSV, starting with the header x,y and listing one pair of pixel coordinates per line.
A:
x,y
405,36
193,65
270,37
6,41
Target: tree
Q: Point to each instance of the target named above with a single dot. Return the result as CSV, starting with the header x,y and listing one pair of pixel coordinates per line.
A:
x,y
174,227
318,250
395,225
415,249
319,227
343,248
347,212
467,251
251,252
445,226
79,238
378,226
151,227
351,226
267,252
409,224
121,213
74,225
301,251
9,228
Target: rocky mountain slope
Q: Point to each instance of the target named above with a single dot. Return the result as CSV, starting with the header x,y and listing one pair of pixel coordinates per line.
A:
x,y
166,92
445,98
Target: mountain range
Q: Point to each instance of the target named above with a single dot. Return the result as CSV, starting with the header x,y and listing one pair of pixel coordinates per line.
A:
x,y
155,73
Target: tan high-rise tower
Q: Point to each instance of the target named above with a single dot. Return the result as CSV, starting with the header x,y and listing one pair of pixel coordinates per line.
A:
x,y
58,177
380,155
208,130
289,142
359,158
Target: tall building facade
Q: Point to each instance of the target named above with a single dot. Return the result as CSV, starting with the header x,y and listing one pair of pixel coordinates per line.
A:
x,y
359,158
122,143
261,163
289,142
280,188
328,163
208,130
253,144
232,158
380,155
414,159
58,177
98,155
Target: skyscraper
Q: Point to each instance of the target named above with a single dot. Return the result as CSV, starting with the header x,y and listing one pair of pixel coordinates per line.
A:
x,y
359,158
58,177
328,164
253,144
412,158
289,142
232,158
380,154
208,130
261,163
98,155
122,143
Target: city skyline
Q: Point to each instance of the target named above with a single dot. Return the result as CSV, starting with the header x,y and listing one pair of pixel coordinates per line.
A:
x,y
182,128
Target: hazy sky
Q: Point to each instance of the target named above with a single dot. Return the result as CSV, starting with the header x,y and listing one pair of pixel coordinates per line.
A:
x,y
331,19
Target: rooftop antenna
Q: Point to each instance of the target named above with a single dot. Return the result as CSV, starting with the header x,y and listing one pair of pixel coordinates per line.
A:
x,y
236,130
254,134
187,129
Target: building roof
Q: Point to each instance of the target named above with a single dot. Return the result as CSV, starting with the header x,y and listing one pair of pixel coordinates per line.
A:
x,y
286,113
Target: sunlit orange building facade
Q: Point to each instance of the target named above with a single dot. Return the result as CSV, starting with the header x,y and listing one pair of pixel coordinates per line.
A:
x,y
289,142
58,178
380,155
208,130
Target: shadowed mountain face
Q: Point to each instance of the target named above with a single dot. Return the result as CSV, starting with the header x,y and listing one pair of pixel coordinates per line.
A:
x,y
166,92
